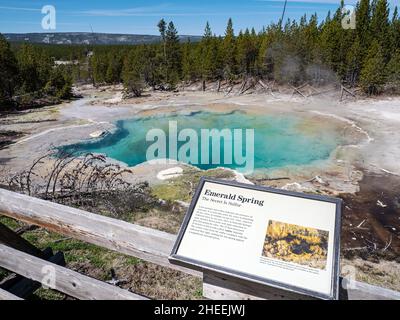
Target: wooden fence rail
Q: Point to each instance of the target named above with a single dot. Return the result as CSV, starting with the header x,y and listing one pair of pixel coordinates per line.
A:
x,y
61,279
145,243
5,295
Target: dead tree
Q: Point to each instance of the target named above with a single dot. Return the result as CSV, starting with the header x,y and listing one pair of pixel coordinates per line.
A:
x,y
297,90
345,91
252,85
242,86
267,87
87,181
219,85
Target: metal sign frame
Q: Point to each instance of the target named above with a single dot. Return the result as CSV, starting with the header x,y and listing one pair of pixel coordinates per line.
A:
x,y
202,266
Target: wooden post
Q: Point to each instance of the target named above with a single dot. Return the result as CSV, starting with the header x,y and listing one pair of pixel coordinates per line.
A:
x,y
10,238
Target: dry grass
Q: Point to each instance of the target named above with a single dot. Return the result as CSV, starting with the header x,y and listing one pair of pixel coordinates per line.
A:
x,y
384,274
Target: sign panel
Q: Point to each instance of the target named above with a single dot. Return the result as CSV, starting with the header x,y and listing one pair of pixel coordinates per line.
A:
x,y
274,237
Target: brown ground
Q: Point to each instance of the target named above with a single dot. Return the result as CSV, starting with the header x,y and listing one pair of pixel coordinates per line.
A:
x,y
369,230
8,137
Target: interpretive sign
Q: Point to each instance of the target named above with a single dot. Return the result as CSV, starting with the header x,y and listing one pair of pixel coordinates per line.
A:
x,y
278,238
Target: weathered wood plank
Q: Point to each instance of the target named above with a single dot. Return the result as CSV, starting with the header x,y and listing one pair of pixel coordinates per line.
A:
x,y
145,243
13,279
362,291
67,281
222,287
5,295
25,287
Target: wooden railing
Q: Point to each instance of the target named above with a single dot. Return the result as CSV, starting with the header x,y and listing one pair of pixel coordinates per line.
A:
x,y
133,240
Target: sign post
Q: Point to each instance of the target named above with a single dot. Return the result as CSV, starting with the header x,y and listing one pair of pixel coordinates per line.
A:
x,y
261,242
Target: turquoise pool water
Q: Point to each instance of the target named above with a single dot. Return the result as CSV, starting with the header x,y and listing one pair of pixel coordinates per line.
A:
x,y
279,140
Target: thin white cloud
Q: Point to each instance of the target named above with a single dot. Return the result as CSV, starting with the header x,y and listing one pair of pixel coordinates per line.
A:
x,y
124,12
166,10
19,9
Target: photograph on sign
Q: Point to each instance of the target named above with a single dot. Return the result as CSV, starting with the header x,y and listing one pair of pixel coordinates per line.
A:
x,y
274,237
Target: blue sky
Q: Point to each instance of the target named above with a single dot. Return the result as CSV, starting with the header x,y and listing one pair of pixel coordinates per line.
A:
x,y
141,17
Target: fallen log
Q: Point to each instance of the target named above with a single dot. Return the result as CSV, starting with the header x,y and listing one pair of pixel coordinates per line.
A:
x,y
229,91
248,88
243,86
345,90
267,87
317,93
298,91
219,86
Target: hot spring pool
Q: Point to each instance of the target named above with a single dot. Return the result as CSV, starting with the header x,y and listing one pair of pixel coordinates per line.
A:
x,y
279,140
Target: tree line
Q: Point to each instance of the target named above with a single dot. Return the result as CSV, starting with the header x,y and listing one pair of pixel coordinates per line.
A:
x,y
28,73
294,52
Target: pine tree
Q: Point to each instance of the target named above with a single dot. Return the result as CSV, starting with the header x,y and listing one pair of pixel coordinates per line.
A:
x,y
353,61
395,30
393,70
363,16
152,65
207,32
209,54
173,51
373,73
247,53
133,75
162,28
59,83
99,67
188,62
380,26
35,68
335,43
114,68
8,71
229,51
310,39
